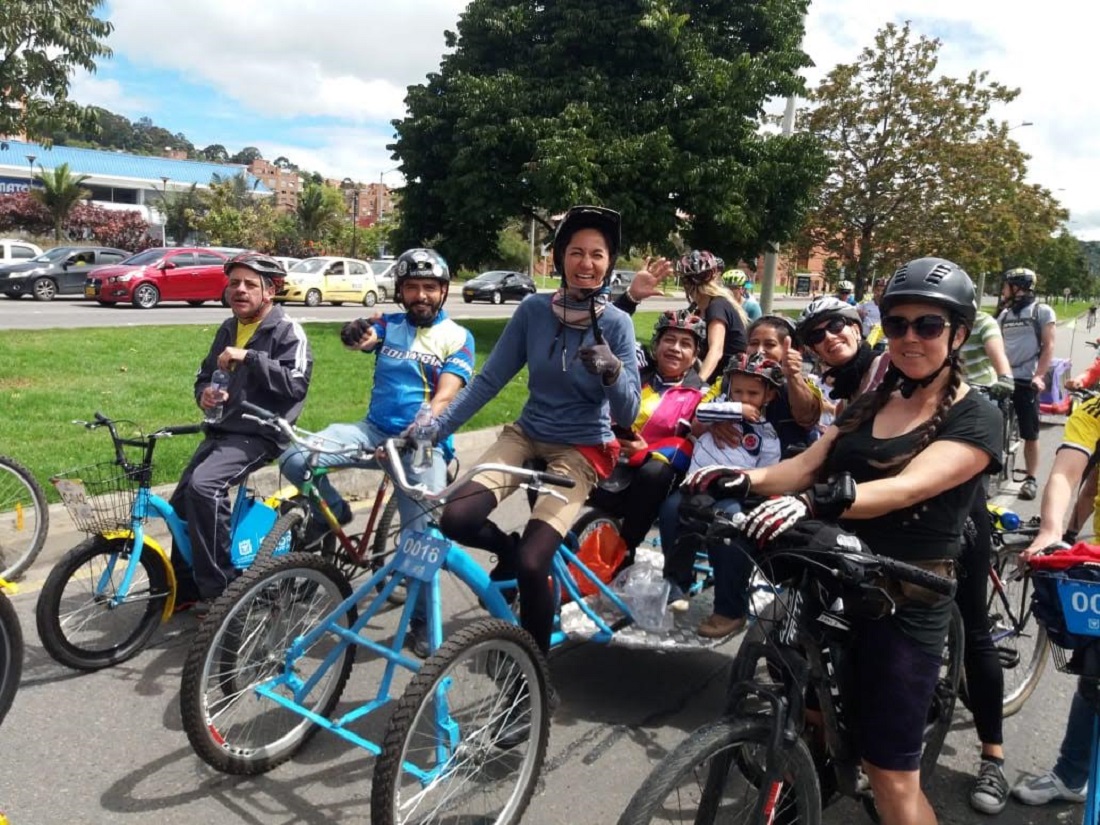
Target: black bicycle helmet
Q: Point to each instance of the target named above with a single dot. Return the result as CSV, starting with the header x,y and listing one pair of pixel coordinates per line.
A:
x,y
263,265
607,221
1022,277
822,309
933,281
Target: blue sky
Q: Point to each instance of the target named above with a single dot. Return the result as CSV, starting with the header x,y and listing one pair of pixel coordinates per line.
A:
x,y
320,80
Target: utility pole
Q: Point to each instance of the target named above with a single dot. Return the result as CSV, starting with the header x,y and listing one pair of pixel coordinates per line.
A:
x,y
767,285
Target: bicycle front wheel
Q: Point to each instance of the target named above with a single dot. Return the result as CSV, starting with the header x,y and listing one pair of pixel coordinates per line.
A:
x,y
11,654
714,776
24,518
244,643
81,620
1020,640
468,737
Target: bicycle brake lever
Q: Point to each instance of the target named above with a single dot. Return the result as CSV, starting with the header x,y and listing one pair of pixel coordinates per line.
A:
x,y
542,489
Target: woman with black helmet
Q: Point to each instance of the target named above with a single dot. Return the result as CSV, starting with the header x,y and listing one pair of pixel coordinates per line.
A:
x,y
916,447
726,321
582,375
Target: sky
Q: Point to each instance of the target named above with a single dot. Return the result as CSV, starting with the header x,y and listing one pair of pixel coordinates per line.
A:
x,y
319,81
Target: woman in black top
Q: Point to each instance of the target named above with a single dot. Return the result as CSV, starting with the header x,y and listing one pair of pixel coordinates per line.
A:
x,y
726,321
916,446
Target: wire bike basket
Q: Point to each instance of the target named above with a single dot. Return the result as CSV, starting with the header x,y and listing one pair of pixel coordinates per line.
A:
x,y
99,497
1067,603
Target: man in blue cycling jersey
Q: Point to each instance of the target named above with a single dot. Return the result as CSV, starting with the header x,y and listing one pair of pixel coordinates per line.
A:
x,y
269,364
420,355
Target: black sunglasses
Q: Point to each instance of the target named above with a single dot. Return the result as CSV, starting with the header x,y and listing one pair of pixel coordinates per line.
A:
x,y
816,336
927,327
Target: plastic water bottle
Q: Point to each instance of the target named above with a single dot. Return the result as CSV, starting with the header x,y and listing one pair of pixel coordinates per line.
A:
x,y
219,382
422,425
1003,518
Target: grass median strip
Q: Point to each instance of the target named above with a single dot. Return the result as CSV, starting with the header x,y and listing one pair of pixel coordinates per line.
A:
x,y
145,375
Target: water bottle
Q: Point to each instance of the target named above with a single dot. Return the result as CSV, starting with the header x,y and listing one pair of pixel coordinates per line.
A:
x,y
422,425
219,382
1003,518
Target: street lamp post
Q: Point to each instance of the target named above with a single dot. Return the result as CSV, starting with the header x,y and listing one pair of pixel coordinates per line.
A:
x,y
354,222
381,200
164,199
30,165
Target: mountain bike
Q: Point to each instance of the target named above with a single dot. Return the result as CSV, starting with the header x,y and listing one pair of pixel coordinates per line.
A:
x,y
24,518
11,650
105,598
761,762
468,735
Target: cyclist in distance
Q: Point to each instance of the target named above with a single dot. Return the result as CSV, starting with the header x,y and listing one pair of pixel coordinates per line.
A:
x,y
269,363
868,310
582,374
726,320
916,447
845,292
737,283
420,355
1028,327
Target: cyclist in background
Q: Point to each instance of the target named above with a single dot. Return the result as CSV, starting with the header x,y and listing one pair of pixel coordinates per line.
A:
x,y
1028,328
419,355
726,320
737,283
844,292
868,310
916,447
1090,321
582,374
269,363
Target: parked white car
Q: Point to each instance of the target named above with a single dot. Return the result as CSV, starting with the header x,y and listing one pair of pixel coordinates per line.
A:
x,y
384,276
14,251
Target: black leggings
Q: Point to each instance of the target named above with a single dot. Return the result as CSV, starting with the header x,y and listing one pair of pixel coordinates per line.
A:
x,y
984,677
465,519
637,505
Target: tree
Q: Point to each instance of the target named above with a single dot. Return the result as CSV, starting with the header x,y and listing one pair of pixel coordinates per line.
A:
x,y
1061,265
282,162
246,156
234,190
320,208
60,192
41,43
182,212
216,153
652,108
918,167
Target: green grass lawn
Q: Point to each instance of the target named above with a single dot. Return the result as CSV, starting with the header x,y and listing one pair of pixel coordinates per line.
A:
x,y
146,374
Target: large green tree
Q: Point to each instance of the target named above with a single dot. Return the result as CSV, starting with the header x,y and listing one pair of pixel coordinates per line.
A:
x,y
1061,265
320,210
61,191
42,42
652,108
919,167
183,212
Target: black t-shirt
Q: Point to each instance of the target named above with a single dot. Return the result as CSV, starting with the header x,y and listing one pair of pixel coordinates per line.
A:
x,y
720,309
931,529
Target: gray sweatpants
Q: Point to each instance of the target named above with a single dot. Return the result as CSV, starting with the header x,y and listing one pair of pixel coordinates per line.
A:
x,y
202,498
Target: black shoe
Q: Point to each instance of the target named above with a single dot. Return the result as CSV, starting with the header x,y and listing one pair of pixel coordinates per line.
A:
x,y
417,639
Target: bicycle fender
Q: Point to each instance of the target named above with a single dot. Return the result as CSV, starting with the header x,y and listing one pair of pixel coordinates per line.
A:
x,y
154,545
284,493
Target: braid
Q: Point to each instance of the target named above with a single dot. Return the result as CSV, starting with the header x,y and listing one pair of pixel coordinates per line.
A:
x,y
931,427
867,405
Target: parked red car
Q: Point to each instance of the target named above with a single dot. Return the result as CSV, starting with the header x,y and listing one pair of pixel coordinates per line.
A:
x,y
190,274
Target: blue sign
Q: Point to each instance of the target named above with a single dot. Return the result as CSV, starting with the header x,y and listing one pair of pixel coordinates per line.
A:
x,y
420,556
1081,606
15,186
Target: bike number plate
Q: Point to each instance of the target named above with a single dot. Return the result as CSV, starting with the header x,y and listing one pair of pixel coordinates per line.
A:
x,y
420,556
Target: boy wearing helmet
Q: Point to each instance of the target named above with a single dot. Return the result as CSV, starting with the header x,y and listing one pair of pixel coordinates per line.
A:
x,y
269,362
1028,328
419,355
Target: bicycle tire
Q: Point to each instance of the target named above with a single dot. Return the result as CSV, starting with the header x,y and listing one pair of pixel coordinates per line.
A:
x,y
944,697
11,654
474,657
386,533
242,643
1020,639
1010,434
77,625
24,518
701,769
593,519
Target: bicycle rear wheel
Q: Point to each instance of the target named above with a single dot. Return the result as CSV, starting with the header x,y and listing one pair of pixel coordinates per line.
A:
x,y
714,775
80,623
1020,640
945,696
11,654
1012,443
468,737
24,518
243,643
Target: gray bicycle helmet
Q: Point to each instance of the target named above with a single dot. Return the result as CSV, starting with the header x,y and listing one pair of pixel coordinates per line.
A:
x,y
822,309
1022,277
263,265
933,281
607,221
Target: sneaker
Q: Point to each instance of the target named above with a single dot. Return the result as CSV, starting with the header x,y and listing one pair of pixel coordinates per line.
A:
x,y
417,639
677,598
716,626
1029,489
1039,790
990,793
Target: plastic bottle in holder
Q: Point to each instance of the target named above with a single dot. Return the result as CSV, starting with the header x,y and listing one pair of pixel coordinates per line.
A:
x,y
422,440
219,382
1003,518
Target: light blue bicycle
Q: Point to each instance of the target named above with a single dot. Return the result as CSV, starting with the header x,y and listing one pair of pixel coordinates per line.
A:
x,y
106,597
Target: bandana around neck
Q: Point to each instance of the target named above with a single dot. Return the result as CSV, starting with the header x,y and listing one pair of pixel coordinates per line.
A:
x,y
577,314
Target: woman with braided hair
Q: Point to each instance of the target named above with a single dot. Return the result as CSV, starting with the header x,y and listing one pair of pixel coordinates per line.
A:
x,y
726,321
916,447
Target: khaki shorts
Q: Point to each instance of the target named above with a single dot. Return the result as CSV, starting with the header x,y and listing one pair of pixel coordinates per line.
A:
x,y
514,447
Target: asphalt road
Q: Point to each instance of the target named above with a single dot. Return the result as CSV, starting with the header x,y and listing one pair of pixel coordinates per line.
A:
x,y
109,746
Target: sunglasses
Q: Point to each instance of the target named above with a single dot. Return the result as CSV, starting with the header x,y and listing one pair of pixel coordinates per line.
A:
x,y
927,327
816,336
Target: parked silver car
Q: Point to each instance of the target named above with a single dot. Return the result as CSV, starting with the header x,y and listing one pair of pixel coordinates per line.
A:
x,y
384,277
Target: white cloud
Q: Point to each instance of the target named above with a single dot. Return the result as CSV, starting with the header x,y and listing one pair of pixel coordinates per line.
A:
x,y
107,93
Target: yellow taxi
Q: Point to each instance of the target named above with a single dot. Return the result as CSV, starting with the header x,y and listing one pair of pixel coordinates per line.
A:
x,y
329,280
